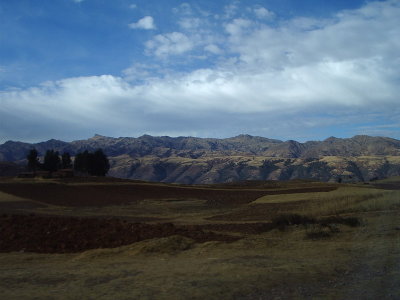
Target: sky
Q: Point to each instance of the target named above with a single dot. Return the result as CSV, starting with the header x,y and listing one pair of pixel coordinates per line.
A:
x,y
284,69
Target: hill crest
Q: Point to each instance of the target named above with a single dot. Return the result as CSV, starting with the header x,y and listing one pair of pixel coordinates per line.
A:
x,y
243,157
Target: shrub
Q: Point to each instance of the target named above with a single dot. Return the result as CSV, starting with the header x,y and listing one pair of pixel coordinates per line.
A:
x,y
282,221
349,221
319,232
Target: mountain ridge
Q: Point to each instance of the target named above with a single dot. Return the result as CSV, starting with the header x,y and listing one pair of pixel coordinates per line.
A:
x,y
243,157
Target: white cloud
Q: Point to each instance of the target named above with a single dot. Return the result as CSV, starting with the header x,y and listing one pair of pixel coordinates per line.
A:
x,y
190,23
146,23
198,40
304,24
351,36
231,10
183,9
214,49
142,72
201,101
78,1
298,73
263,13
163,45
238,26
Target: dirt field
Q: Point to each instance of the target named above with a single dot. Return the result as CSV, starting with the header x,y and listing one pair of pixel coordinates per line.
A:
x,y
66,234
106,194
97,238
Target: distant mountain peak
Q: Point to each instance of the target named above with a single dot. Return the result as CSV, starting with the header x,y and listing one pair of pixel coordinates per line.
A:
x,y
210,160
244,135
146,136
98,137
331,138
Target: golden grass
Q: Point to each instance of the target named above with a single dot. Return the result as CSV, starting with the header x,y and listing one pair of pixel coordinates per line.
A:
x,y
355,263
352,264
395,179
353,200
323,196
4,197
172,268
346,199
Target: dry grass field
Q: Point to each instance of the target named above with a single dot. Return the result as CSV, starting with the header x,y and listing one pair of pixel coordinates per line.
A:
x,y
93,238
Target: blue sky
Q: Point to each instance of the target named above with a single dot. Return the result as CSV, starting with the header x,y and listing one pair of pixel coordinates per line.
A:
x,y
286,69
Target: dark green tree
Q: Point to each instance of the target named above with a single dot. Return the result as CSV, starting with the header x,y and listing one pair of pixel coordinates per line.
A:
x,y
33,160
81,161
52,161
98,163
94,164
66,162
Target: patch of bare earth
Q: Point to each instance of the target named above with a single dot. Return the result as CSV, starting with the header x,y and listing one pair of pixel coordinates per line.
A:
x,y
67,234
118,194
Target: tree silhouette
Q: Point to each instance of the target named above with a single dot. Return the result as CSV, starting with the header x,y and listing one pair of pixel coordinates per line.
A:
x,y
66,161
94,164
51,161
33,160
98,163
81,161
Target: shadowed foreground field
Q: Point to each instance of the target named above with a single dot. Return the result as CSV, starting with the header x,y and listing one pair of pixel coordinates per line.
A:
x,y
119,239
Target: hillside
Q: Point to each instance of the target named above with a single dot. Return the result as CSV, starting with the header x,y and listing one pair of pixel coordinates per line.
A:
x,y
108,238
244,157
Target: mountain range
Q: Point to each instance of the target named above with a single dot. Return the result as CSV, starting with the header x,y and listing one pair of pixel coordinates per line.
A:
x,y
194,160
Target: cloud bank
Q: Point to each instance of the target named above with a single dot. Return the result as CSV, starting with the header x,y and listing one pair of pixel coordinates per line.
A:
x,y
250,73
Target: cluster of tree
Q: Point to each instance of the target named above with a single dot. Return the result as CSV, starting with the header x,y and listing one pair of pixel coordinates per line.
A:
x,y
95,164
52,161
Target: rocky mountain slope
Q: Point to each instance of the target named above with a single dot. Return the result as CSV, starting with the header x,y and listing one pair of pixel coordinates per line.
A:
x,y
244,157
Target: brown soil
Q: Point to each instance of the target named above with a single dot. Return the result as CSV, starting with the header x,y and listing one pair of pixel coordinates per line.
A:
x,y
56,234
98,195
66,234
115,194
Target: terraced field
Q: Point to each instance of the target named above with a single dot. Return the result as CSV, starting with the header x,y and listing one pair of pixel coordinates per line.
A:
x,y
108,238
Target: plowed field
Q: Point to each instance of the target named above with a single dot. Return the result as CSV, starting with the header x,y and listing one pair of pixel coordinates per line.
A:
x,y
64,234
